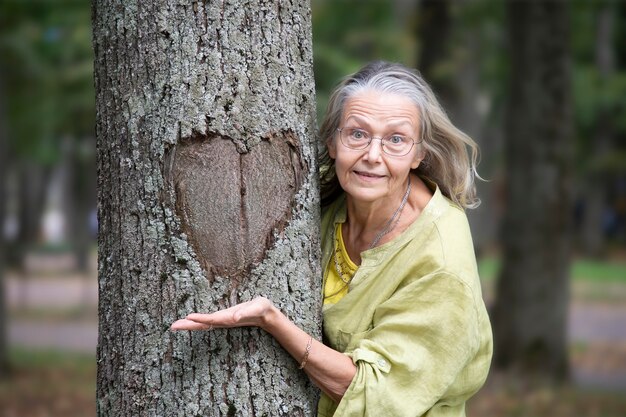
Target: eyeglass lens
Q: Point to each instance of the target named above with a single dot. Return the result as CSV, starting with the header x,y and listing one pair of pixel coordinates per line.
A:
x,y
397,145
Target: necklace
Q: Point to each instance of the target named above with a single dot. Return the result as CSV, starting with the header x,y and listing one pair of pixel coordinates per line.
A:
x,y
389,226
394,219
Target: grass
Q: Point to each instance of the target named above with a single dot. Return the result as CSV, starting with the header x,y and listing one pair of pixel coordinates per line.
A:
x,y
30,358
599,271
592,281
582,270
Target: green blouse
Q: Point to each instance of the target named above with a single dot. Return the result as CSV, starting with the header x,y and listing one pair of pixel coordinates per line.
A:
x,y
413,322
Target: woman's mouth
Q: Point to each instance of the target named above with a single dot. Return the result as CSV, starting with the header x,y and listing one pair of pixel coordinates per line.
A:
x,y
368,176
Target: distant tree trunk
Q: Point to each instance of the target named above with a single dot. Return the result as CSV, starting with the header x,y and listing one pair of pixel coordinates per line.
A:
x,y
207,196
79,184
4,149
530,314
434,33
33,179
451,65
596,190
469,113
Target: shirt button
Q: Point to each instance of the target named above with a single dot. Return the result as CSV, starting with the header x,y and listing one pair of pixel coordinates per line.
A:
x,y
382,363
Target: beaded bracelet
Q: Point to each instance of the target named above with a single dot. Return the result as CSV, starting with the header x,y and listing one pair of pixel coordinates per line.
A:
x,y
305,358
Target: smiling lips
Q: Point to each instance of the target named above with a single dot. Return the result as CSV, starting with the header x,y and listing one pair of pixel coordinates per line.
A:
x,y
368,174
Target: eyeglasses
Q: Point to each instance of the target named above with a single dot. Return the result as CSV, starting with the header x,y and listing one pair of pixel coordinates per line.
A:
x,y
394,145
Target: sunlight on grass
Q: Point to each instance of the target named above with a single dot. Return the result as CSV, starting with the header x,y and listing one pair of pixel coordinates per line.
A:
x,y
27,358
582,270
599,271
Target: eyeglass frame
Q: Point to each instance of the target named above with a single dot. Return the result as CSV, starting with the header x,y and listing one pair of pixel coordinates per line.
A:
x,y
381,139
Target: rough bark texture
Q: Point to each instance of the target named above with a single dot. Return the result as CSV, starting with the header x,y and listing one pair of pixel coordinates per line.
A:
x,y
207,196
533,288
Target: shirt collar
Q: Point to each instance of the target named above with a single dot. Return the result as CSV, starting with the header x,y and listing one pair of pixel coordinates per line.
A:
x,y
434,209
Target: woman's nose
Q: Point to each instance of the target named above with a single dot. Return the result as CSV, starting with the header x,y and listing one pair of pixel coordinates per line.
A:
x,y
374,150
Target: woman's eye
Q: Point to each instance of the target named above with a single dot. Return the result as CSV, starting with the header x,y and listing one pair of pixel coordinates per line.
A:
x,y
396,139
358,134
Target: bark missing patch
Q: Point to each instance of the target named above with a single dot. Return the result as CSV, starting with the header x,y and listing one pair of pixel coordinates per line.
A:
x,y
231,204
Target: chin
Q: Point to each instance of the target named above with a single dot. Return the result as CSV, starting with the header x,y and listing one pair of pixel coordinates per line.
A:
x,y
366,195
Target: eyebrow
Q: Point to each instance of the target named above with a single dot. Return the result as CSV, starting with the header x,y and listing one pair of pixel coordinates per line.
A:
x,y
391,125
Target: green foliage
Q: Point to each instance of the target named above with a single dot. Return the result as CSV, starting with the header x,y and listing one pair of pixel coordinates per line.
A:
x,y
349,33
46,64
599,96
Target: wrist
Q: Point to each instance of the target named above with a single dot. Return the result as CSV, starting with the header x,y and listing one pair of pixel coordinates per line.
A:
x,y
270,318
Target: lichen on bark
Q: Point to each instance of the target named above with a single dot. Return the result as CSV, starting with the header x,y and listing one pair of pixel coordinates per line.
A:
x,y
166,71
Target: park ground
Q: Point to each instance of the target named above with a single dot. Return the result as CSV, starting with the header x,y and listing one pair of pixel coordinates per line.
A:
x,y
53,335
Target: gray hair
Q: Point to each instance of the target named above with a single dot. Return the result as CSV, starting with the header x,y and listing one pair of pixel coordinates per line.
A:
x,y
448,162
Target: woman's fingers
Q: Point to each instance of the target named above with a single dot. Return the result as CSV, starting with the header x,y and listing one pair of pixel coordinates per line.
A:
x,y
245,314
185,324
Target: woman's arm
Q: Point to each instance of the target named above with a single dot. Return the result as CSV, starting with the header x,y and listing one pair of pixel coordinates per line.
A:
x,y
330,370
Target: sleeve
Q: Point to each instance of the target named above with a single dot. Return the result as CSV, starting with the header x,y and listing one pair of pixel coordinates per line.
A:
x,y
421,340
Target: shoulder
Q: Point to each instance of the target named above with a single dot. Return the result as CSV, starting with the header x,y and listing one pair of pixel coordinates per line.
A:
x,y
441,243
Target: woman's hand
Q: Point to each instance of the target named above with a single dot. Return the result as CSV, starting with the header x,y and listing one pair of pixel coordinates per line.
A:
x,y
257,312
330,370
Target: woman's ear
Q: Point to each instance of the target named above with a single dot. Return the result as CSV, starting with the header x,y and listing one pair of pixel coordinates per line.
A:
x,y
332,148
419,157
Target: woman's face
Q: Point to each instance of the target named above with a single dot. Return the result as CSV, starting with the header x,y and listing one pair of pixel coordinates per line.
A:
x,y
370,174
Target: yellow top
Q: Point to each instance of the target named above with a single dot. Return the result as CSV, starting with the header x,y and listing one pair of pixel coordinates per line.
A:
x,y
336,287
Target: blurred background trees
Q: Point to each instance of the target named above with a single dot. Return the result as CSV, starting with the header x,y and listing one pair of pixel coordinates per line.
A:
x,y
47,77
531,305
47,116
462,47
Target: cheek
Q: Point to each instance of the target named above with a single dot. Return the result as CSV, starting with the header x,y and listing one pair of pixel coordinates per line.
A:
x,y
340,166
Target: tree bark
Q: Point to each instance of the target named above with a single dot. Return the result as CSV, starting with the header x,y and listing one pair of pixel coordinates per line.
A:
x,y
207,196
533,288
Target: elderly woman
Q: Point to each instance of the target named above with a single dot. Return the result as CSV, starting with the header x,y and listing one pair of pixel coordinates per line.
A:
x,y
406,328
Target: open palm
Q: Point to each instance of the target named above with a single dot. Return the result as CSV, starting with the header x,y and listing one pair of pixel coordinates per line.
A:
x,y
250,313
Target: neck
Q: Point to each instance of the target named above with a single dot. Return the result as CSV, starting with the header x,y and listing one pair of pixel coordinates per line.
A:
x,y
366,220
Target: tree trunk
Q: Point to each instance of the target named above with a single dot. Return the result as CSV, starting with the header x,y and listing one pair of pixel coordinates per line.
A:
x,y
79,185
596,190
434,33
448,61
33,180
4,351
207,196
533,288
